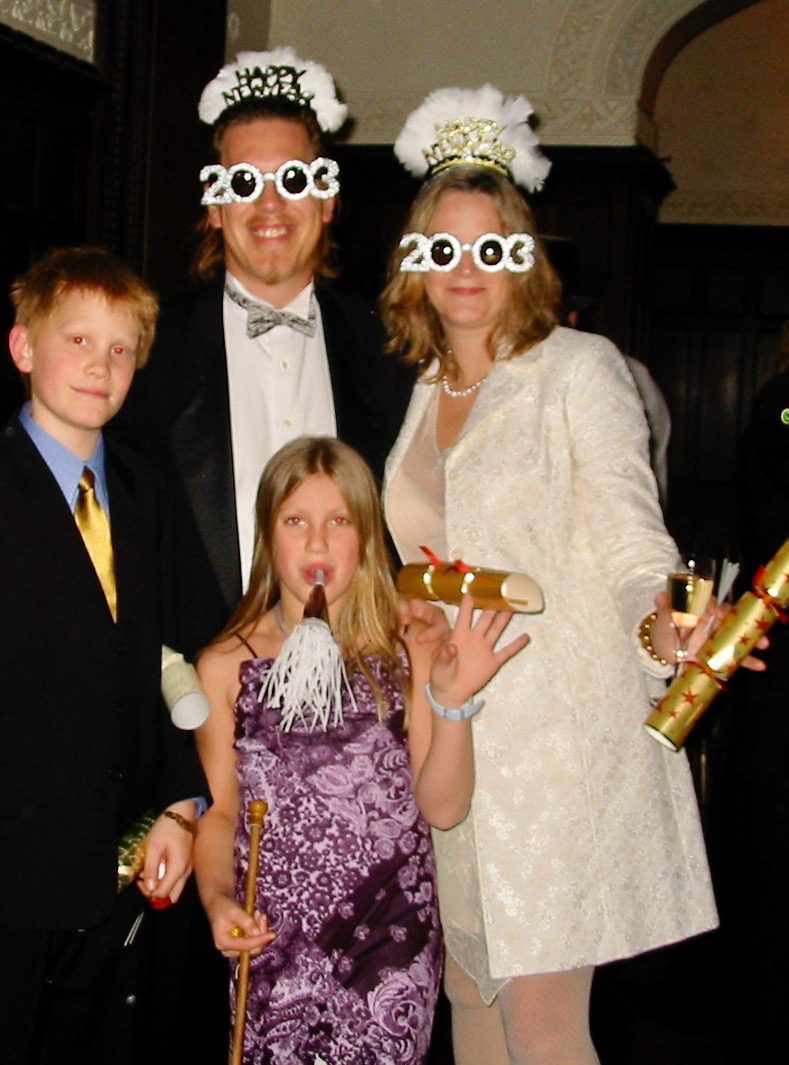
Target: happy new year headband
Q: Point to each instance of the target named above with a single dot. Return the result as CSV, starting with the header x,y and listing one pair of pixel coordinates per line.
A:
x,y
473,127
277,74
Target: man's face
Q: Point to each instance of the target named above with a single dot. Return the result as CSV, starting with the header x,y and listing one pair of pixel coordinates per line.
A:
x,y
270,244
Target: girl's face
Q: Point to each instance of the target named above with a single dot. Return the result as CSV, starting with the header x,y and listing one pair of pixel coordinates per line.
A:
x,y
467,298
313,530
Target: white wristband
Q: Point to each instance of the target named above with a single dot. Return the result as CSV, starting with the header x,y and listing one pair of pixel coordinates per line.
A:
x,y
460,713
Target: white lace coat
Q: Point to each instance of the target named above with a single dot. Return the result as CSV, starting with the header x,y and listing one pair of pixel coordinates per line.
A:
x,y
583,843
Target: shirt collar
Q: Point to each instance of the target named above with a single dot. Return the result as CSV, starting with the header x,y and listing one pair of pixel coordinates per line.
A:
x,y
300,304
64,465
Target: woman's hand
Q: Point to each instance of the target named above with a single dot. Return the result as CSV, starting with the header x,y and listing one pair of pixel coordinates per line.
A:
x,y
466,658
433,617
664,635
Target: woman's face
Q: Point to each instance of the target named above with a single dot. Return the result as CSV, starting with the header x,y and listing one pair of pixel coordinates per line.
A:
x,y
467,298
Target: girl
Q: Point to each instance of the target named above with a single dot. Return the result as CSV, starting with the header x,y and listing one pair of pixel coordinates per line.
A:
x,y
348,954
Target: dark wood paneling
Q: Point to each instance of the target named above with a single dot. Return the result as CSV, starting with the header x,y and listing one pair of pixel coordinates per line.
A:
x,y
155,57
45,129
108,153
721,297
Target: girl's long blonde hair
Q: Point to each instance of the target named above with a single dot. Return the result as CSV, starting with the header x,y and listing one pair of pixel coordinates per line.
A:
x,y
369,623
530,315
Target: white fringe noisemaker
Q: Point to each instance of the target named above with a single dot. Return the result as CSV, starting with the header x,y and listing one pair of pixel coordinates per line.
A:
x,y
307,678
473,127
279,73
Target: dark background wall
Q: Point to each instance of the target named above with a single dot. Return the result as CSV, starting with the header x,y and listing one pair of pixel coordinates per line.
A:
x,y
108,153
111,154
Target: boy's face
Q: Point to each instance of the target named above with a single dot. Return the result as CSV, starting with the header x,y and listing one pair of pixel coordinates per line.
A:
x,y
271,244
81,361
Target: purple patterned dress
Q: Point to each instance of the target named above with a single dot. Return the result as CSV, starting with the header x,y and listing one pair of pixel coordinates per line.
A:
x,y
348,882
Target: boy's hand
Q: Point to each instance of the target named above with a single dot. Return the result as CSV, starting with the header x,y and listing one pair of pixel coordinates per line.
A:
x,y
467,658
168,856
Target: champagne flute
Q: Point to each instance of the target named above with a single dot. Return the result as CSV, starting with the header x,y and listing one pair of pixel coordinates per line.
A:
x,y
690,587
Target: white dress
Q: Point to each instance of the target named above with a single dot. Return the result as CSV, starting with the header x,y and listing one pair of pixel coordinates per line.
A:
x,y
583,843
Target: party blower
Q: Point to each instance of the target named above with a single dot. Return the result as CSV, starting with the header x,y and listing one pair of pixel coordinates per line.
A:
x,y
491,589
703,677
308,676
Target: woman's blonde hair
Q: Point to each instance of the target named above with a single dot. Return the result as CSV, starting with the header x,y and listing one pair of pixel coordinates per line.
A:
x,y
412,323
369,622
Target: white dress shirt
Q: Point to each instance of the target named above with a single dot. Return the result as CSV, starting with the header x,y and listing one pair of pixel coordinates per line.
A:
x,y
280,388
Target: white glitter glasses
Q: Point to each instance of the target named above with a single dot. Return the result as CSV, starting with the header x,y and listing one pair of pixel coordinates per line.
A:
x,y
490,252
293,180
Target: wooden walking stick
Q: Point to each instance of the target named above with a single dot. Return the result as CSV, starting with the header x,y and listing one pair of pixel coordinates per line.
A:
x,y
256,811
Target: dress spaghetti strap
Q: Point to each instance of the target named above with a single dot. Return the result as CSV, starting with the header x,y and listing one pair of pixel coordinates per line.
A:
x,y
248,645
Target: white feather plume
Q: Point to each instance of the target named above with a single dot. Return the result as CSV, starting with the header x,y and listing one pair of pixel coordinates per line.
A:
x,y
316,82
529,167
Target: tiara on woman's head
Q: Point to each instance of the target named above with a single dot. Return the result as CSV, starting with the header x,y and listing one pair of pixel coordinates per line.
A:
x,y
281,74
473,127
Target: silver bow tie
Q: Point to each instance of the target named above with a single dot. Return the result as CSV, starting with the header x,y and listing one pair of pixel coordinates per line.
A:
x,y
261,318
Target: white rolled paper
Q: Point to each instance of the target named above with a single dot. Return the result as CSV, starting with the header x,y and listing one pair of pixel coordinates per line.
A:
x,y
182,691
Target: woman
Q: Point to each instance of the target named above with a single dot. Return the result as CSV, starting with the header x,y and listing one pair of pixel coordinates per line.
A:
x,y
525,448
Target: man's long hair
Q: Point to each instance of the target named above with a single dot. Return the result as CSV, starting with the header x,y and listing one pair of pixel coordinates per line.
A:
x,y
209,258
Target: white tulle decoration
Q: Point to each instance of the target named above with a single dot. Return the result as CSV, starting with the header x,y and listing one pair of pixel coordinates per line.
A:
x,y
308,676
278,73
473,127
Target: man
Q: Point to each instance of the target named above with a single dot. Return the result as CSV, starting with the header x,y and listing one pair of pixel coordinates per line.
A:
x,y
229,382
225,390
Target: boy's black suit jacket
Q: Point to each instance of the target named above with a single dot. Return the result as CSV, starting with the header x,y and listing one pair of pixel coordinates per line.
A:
x,y
86,745
179,415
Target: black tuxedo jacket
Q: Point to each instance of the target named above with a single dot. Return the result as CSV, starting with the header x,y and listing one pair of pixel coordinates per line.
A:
x,y
179,415
86,745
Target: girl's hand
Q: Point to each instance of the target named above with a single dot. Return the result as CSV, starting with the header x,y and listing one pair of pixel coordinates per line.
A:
x,y
466,658
234,930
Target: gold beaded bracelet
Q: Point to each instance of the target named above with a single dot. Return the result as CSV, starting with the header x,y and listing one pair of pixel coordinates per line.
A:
x,y
645,636
179,819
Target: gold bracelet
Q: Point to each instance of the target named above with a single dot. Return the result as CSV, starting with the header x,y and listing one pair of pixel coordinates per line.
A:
x,y
645,636
179,819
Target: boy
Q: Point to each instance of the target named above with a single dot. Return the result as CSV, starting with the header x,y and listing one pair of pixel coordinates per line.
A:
x,y
86,746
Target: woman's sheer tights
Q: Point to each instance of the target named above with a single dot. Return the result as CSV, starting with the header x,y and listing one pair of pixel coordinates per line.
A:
x,y
534,1020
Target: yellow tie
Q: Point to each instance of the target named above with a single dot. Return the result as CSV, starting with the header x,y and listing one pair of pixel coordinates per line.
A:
x,y
94,525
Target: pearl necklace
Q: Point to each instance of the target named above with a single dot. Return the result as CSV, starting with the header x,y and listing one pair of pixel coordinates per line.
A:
x,y
458,393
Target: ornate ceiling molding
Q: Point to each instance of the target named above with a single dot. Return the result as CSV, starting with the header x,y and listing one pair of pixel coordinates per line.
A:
x,y
64,24
640,31
601,50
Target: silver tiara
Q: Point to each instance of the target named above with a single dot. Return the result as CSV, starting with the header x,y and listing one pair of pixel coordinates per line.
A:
x,y
473,127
